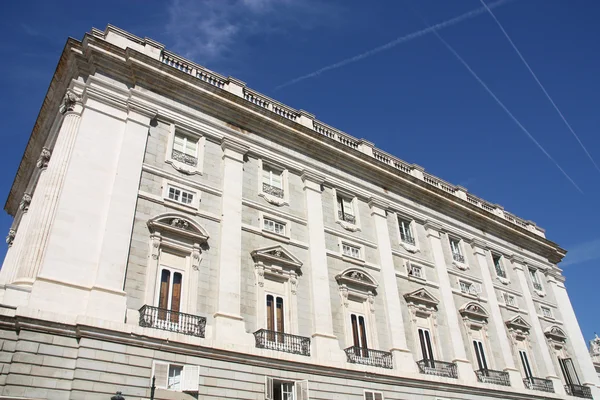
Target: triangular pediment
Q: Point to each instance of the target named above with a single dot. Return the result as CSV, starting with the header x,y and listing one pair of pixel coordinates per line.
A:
x,y
519,323
276,255
421,296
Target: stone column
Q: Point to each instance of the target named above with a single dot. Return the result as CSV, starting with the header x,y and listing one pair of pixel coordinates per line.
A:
x,y
229,325
47,192
581,356
403,357
457,347
324,341
536,328
479,250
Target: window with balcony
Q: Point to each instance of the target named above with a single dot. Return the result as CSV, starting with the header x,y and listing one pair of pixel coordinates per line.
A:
x,y
345,208
370,395
169,295
455,248
272,181
573,386
499,268
406,233
184,150
176,377
535,280
277,389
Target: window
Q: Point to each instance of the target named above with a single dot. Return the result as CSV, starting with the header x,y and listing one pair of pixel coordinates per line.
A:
x,y
546,312
509,300
180,195
272,181
469,287
185,149
426,347
169,297
480,355
406,234
345,209
456,251
500,272
181,378
568,371
415,271
273,226
535,279
275,317
350,251
369,395
276,389
525,364
359,331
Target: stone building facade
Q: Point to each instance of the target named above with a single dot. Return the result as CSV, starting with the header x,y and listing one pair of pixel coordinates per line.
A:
x,y
170,222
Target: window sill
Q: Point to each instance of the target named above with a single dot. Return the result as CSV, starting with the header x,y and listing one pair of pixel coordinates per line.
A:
x,y
512,308
461,266
278,201
275,236
416,279
348,226
353,260
410,247
184,207
504,281
183,168
539,293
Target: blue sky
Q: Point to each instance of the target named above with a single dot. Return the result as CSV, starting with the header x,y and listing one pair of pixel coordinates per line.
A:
x,y
414,99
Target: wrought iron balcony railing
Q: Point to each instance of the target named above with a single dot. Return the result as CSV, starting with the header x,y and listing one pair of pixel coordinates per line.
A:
x,y
346,217
376,358
491,376
407,239
543,385
537,286
458,257
184,158
272,340
439,368
159,318
579,391
272,190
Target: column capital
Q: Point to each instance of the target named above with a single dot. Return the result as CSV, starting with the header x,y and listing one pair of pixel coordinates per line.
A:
x,y
378,207
312,180
433,228
25,201
44,158
517,261
71,102
233,150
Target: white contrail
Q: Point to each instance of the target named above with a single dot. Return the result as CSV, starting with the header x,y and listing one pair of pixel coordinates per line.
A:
x,y
540,84
395,42
529,135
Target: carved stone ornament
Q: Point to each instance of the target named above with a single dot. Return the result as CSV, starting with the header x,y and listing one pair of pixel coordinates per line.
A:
x,y
474,315
44,158
69,101
180,225
25,201
518,328
555,334
196,257
595,346
422,304
155,245
10,237
278,264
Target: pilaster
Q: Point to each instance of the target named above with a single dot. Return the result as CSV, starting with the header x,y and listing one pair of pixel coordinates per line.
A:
x,y
479,250
325,343
229,324
403,358
457,347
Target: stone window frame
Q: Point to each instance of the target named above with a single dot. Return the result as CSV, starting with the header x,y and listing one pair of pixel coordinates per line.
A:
x,y
288,227
352,227
514,306
375,395
186,385
410,265
550,312
413,228
193,206
536,272
519,334
503,280
463,266
423,307
475,320
300,388
178,165
354,260
277,201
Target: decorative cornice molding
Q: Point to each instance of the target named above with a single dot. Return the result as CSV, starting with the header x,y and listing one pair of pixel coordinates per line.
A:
x,y
312,177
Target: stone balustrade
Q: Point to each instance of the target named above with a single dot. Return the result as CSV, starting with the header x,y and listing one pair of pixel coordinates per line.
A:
x,y
233,86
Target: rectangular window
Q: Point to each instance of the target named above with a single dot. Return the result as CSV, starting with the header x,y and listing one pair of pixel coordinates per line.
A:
x,y
456,251
180,195
525,364
568,370
466,287
426,347
176,377
345,209
498,266
169,298
509,300
480,355
351,251
185,149
273,226
369,395
537,285
272,181
546,312
275,318
276,389
406,234
359,332
415,271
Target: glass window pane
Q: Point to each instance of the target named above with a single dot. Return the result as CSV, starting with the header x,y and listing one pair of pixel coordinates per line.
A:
x,y
178,143
175,377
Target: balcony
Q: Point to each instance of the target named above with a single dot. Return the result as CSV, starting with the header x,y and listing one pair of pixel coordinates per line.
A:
x,y
375,358
458,257
543,385
184,158
579,391
158,318
272,340
494,377
439,368
272,190
346,217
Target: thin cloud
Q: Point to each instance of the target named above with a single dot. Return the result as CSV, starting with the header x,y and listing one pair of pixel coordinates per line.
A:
x,y
211,30
540,84
510,114
394,43
582,252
